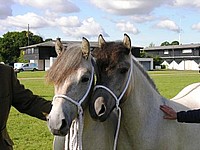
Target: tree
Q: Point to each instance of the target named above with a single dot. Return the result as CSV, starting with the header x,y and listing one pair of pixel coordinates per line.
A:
x,y
12,41
49,39
166,43
157,60
175,43
144,54
21,57
151,44
33,39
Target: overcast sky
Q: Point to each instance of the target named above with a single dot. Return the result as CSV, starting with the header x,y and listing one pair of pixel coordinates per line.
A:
x,y
145,21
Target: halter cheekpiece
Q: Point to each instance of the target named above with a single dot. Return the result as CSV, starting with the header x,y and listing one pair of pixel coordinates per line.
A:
x,y
117,100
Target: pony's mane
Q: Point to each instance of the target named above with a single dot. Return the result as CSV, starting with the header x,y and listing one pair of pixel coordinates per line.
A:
x,y
109,54
144,73
67,62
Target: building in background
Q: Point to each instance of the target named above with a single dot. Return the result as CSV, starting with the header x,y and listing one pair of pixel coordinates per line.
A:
x,y
44,54
179,57
41,54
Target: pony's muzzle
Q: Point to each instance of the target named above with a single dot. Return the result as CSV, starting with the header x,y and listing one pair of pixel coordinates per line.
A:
x,y
99,106
56,127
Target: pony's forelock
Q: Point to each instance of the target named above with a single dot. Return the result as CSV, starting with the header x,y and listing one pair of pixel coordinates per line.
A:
x,y
65,64
110,53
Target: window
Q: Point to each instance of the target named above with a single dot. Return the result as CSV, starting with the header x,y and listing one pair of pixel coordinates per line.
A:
x,y
166,52
32,50
187,51
26,65
28,51
36,51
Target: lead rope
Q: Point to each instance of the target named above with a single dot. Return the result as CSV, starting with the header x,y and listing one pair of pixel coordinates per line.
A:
x,y
75,140
76,136
72,136
117,100
118,127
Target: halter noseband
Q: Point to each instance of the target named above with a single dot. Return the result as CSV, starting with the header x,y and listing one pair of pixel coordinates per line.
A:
x,y
78,104
117,100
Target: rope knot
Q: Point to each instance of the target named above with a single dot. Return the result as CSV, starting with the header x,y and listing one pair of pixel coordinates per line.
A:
x,y
80,110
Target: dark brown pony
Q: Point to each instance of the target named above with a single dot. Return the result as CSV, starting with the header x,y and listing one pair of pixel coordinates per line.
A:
x,y
123,85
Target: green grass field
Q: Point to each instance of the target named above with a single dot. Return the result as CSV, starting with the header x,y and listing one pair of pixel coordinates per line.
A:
x,y
169,83
29,133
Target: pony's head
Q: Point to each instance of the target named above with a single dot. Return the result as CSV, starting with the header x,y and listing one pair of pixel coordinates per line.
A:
x,y
113,61
72,76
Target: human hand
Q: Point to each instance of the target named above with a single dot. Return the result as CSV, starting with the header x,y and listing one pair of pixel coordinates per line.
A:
x,y
46,115
170,114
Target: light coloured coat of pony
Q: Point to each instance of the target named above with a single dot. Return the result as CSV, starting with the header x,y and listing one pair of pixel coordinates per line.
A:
x,y
189,96
142,125
71,75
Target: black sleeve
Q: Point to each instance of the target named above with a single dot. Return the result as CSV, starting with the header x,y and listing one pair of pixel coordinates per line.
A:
x,y
191,116
26,102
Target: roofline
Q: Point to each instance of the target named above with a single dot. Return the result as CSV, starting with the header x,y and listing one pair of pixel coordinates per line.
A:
x,y
180,57
173,47
37,45
65,43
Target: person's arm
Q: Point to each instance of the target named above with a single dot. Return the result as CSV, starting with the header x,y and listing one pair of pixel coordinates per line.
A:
x,y
26,102
190,116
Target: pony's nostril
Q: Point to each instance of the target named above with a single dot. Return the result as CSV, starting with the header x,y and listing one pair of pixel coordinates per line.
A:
x,y
64,124
102,110
100,107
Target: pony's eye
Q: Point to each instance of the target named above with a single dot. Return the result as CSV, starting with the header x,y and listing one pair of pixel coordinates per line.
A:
x,y
123,70
84,79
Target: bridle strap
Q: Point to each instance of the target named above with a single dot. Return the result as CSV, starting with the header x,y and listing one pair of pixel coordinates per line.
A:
x,y
117,100
78,103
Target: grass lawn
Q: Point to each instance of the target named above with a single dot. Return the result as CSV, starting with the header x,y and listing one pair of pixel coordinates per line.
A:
x,y
170,83
29,133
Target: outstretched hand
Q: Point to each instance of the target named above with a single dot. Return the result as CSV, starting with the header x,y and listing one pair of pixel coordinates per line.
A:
x,y
170,114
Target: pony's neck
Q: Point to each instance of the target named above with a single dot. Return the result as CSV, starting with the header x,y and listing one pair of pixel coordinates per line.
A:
x,y
142,93
98,135
140,107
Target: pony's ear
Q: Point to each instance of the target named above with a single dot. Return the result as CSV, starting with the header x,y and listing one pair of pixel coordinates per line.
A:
x,y
127,41
85,48
58,46
101,41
